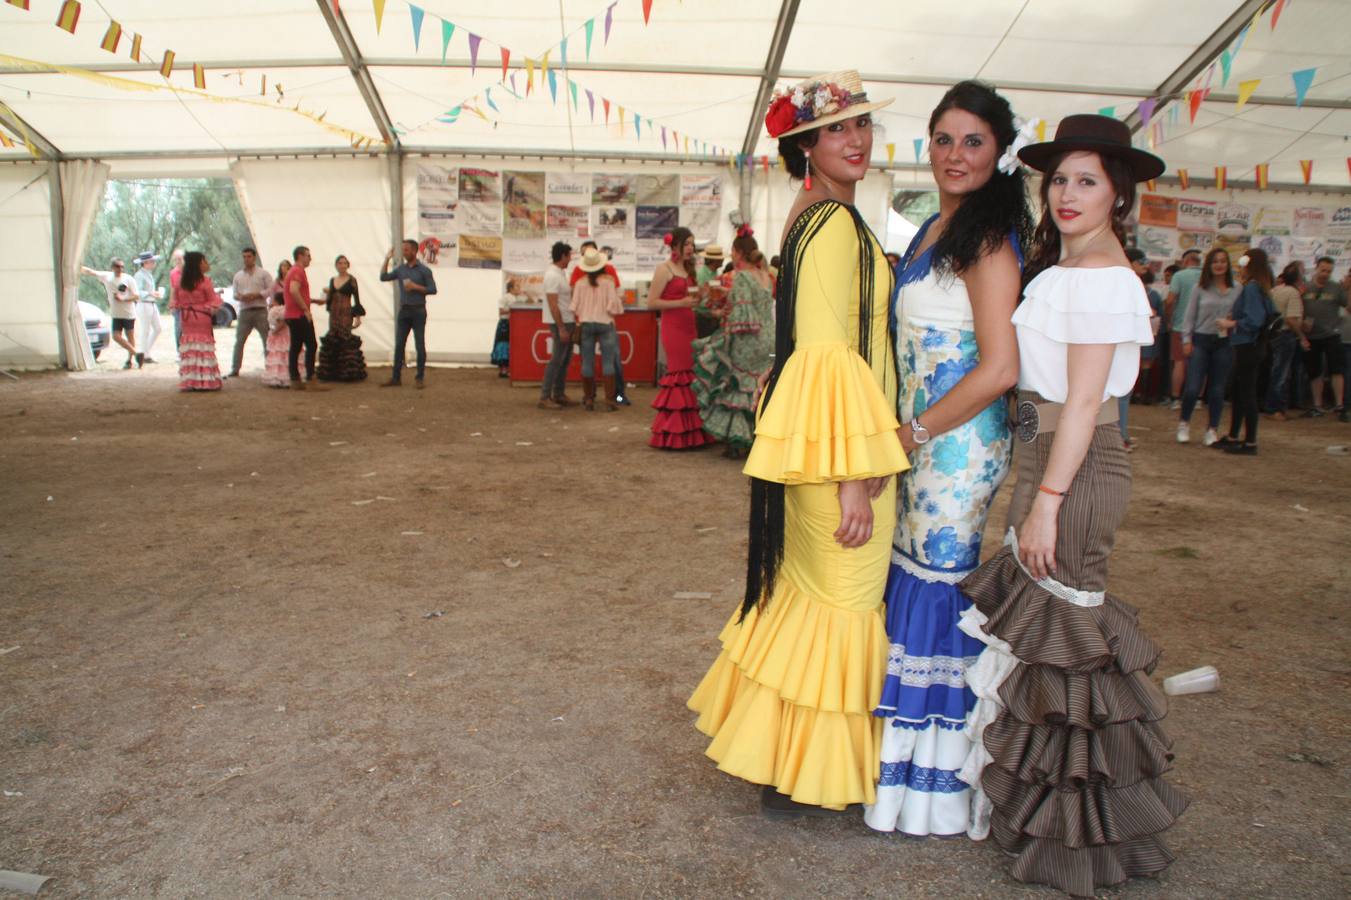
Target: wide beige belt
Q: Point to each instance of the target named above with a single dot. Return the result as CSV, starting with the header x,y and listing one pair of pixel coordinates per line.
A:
x,y
1040,418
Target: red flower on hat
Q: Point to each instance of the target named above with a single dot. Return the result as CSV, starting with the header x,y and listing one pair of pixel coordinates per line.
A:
x,y
781,116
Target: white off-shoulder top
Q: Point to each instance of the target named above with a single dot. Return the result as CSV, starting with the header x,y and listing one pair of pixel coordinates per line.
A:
x,y
1064,306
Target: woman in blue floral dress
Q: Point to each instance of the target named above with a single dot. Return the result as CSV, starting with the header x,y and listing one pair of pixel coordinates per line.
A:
x,y
957,287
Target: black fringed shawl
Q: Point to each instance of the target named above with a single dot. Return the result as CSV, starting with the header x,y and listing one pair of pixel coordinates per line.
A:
x,y
767,497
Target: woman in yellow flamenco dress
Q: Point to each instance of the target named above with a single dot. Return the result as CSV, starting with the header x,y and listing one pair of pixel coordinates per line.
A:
x,y
789,701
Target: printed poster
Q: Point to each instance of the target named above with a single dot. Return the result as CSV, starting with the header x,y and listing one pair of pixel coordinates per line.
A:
x,y
656,221
702,221
480,209
1306,250
1273,221
613,190
1274,246
1158,210
1234,220
1195,215
623,253
1310,221
438,194
524,254
480,251
523,204
567,189
1235,244
612,223
1157,241
703,191
651,253
1194,240
1339,224
570,224
529,285
435,251
658,190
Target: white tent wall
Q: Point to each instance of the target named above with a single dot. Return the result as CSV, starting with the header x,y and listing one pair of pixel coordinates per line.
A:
x,y
332,206
30,332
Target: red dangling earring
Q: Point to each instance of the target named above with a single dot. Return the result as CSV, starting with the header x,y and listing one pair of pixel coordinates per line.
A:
x,y
807,184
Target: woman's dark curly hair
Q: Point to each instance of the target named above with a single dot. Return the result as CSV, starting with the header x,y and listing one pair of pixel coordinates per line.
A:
x,y
988,215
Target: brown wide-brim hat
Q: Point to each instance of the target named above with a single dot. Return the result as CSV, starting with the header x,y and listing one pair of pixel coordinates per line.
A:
x,y
850,102
1096,134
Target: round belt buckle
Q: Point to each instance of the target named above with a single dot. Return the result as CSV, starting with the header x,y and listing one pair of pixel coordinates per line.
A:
x,y
1029,422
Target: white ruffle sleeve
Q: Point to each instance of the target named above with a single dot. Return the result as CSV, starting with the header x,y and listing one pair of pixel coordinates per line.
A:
x,y
1087,306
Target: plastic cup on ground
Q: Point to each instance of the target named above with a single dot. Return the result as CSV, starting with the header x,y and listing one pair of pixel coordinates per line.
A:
x,y
1195,681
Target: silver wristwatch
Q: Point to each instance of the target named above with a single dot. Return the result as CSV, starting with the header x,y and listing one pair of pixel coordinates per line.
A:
x,y
919,432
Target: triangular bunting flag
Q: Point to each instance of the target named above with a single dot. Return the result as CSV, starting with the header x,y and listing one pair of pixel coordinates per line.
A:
x,y
447,32
263,88
488,98
591,104
647,11
1348,165
22,4
198,76
1303,79
1306,169
1108,111
1146,111
1041,131
606,103
1194,102
553,85
1238,41
663,139
544,64
506,61
590,29
637,129
112,37
563,52
1174,114
1245,91
529,75
415,15
379,13
69,16
891,153
1263,171
1226,61
621,120
167,67
1276,13
1151,185
1221,177
1183,180
609,19
473,52
135,48
919,148
4,138
1210,74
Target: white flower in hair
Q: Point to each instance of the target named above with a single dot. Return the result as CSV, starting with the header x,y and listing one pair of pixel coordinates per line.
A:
x,y
1027,134
822,100
799,98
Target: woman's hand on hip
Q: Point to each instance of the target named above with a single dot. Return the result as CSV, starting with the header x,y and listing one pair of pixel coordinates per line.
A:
x,y
856,515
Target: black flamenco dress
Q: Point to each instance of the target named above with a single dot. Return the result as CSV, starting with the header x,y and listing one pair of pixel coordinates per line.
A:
x,y
340,356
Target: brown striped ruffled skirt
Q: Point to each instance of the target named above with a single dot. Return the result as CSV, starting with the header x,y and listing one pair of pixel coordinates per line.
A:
x,y
1076,754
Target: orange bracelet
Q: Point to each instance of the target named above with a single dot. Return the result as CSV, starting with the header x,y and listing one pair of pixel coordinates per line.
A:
x,y
1045,490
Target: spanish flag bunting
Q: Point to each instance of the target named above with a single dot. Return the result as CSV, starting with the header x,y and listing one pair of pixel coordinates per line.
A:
x,y
764,161
22,4
647,11
1194,101
606,104
1183,179
1151,185
112,37
506,61
167,67
1041,131
4,138
1263,173
891,153
379,13
1221,178
69,16
1245,91
1348,165
1276,13
199,76
136,48
529,75
1306,167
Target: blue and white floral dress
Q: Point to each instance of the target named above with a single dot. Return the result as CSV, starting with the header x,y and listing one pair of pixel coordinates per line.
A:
x,y
942,506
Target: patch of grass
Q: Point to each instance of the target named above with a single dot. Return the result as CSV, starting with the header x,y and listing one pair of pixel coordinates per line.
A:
x,y
1179,553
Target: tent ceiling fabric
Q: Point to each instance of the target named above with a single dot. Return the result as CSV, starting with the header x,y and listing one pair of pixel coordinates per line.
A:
x,y
1078,57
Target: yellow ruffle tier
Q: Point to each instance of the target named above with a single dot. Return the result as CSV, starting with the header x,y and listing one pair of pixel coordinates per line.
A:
x,y
789,700
827,421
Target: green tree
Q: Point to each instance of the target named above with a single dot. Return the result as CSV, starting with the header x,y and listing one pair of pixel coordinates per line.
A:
x,y
162,215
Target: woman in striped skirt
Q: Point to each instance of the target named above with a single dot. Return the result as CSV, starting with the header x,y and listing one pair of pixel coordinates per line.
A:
x,y
1068,752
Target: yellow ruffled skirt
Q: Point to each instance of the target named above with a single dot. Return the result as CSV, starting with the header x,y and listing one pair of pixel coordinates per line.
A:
x,y
789,701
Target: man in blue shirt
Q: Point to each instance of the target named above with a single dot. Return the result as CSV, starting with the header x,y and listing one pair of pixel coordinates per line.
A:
x,y
415,285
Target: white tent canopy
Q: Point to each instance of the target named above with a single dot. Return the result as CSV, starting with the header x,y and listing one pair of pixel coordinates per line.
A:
x,y
305,78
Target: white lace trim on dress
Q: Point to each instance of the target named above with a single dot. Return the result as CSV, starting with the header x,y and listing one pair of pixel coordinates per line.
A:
x,y
1064,592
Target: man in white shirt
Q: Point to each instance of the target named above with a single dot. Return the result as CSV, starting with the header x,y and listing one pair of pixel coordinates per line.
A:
x,y
252,288
122,296
558,316
147,304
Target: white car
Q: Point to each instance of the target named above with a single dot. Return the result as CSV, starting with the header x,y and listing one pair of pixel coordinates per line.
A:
x,y
97,325
229,310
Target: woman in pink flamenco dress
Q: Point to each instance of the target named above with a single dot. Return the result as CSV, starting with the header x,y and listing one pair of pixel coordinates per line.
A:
x,y
678,425
197,301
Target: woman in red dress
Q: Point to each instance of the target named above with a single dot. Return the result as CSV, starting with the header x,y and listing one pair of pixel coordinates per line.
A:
x,y
674,293
196,301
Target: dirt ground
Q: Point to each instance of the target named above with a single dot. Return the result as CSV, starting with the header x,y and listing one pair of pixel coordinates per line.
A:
x,y
219,676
